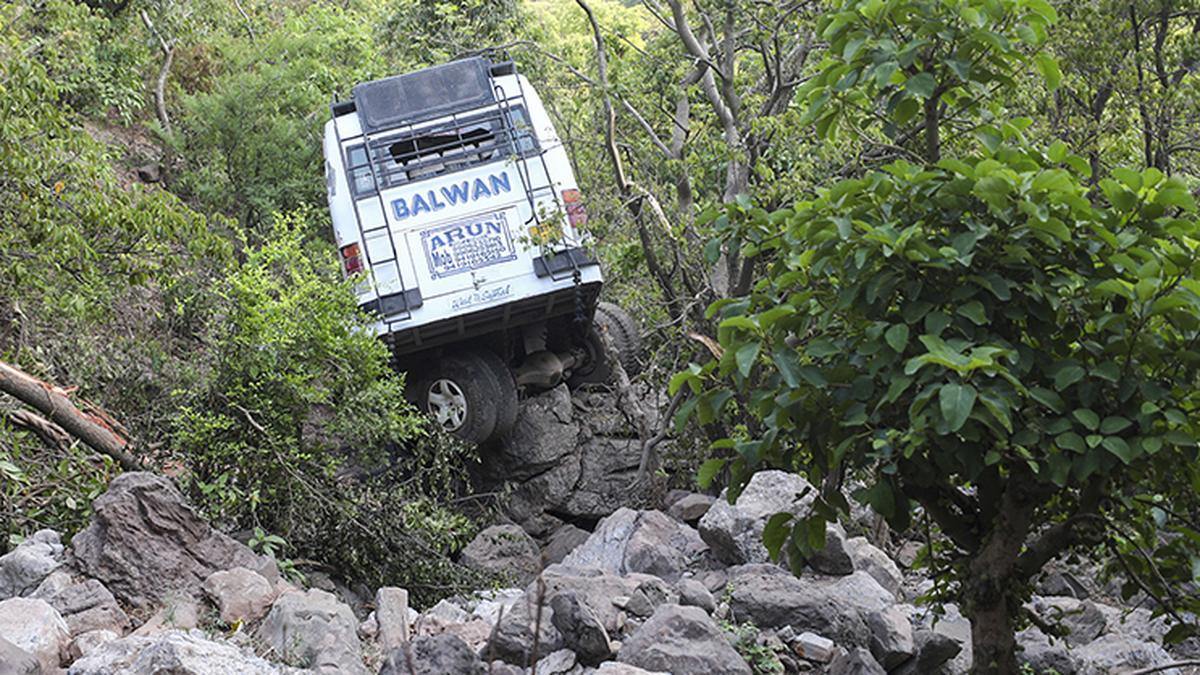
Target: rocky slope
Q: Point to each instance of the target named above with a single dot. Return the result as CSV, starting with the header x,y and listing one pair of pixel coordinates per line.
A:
x,y
151,588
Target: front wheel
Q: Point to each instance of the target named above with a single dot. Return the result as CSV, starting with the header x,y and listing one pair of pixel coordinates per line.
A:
x,y
470,394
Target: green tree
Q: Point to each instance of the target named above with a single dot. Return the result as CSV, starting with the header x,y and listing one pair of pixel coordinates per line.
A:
x,y
982,339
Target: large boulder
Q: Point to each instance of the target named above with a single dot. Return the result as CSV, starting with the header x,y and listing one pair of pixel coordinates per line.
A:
x,y
1114,653
314,630
239,594
37,628
503,550
562,541
17,661
837,607
146,542
648,542
683,641
582,631
89,606
691,507
175,652
1082,619
23,568
514,635
868,558
953,629
734,531
434,655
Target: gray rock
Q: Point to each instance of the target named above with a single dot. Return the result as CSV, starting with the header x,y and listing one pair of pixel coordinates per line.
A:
x,y
1138,623
934,651
683,641
564,540
17,661
836,607
174,652
145,542
86,643
951,624
891,636
858,661
649,542
695,594
490,604
581,629
833,558
23,568
607,469
504,550
1065,584
314,630
691,507
36,627
391,616
875,562
1083,620
151,172
1112,653
513,637
498,667
1042,655
618,668
594,588
556,663
239,594
544,435
89,606
434,655
734,531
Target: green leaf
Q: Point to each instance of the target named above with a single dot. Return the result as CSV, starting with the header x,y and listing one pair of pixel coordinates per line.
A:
x,y
1087,418
775,533
1068,375
1070,441
788,362
820,348
746,355
1117,446
1114,425
708,472
1049,69
897,337
921,85
1048,398
974,311
956,402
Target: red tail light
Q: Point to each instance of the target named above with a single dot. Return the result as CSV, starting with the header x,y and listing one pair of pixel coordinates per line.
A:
x,y
352,262
576,214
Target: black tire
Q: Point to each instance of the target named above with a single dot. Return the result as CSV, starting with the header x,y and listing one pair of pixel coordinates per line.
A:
x,y
625,341
629,343
471,394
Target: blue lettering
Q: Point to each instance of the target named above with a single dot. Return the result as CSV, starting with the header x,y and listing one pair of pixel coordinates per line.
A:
x,y
475,229
481,189
456,193
435,242
400,208
499,181
437,205
493,227
419,205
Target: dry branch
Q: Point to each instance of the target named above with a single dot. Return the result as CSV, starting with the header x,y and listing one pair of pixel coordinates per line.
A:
x,y
53,402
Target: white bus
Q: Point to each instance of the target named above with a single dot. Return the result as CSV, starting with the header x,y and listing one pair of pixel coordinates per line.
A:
x,y
454,205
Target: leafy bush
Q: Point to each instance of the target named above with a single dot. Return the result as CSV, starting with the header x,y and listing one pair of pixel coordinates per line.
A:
x,y
988,340
301,398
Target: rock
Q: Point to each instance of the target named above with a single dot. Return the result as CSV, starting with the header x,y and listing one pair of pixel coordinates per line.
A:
x,y
564,540
151,172
88,642
239,594
618,668
594,588
832,558
891,636
17,661
174,652
855,662
58,580
504,550
734,531
26,566
544,434
145,542
814,647
391,615
1113,653
691,507
683,641
934,651
89,606
1043,656
490,604
1083,620
180,612
556,663
950,624
512,640
771,597
875,562
1139,623
434,655
314,630
607,469
1062,584
695,594
498,667
648,542
581,629
37,628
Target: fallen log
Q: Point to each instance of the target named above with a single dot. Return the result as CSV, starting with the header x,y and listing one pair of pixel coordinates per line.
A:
x,y
53,402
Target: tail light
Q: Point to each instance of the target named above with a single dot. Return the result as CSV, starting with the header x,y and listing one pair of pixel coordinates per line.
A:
x,y
352,262
576,215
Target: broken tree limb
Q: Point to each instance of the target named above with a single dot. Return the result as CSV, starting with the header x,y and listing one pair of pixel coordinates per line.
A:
x,y
54,404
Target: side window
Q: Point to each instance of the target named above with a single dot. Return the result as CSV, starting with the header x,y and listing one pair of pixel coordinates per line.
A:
x,y
524,140
358,170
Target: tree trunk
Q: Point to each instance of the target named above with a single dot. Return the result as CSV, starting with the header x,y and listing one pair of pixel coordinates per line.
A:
x,y
992,638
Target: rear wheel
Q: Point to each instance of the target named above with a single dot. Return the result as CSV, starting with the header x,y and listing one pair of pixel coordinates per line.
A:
x,y
470,394
620,328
